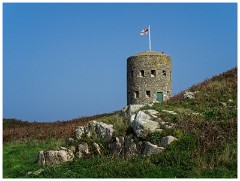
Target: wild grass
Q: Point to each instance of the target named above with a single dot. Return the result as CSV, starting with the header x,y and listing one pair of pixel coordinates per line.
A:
x,y
21,157
14,129
206,148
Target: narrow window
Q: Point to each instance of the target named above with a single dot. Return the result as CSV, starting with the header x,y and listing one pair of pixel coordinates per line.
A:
x,y
164,72
148,94
141,73
153,73
136,94
131,75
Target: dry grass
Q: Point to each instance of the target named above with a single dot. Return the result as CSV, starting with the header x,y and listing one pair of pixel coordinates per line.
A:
x,y
21,130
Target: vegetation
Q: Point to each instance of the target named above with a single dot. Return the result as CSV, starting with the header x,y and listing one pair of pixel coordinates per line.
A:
x,y
206,128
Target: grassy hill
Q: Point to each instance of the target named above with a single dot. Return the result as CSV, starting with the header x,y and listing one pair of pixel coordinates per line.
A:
x,y
206,127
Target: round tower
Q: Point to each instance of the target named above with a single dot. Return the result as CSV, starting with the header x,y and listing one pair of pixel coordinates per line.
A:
x,y
149,78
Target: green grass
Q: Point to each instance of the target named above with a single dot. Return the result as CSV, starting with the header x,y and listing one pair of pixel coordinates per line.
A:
x,y
20,157
177,161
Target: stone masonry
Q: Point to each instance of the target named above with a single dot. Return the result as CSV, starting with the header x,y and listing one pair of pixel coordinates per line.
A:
x,y
149,76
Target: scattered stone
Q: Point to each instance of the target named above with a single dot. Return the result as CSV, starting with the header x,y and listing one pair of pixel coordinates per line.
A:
x,y
230,100
169,126
150,149
143,125
170,112
97,148
163,123
63,148
54,157
190,95
165,141
37,172
223,104
195,113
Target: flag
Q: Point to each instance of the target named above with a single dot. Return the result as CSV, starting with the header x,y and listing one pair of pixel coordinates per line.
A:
x,y
144,31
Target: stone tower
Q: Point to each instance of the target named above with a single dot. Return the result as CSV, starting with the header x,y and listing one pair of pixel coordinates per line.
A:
x,y
149,78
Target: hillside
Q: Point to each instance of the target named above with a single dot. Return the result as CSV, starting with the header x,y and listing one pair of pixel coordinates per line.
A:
x,y
205,124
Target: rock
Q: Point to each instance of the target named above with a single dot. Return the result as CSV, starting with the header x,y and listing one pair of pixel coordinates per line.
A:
x,y
72,149
134,108
117,147
79,132
223,104
124,111
54,157
170,112
100,129
152,112
163,123
41,158
230,100
37,172
150,148
132,117
196,113
169,126
82,150
105,131
70,141
150,105
189,95
63,148
91,127
143,125
165,141
159,130
130,147
97,148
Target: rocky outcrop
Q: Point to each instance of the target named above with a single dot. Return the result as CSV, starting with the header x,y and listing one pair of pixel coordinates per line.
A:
x,y
54,157
134,108
99,129
143,125
79,132
104,130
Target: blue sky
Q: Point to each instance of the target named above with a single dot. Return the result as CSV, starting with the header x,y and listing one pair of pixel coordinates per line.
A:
x,y
62,61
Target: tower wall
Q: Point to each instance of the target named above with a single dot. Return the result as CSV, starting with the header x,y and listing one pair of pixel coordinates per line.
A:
x,y
149,75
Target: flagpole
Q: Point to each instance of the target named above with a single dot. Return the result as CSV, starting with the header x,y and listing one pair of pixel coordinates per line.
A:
x,y
149,38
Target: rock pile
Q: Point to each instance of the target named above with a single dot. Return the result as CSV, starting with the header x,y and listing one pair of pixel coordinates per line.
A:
x,y
142,122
